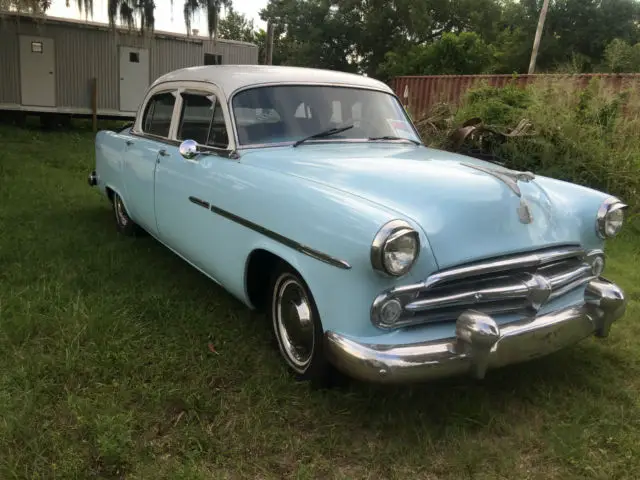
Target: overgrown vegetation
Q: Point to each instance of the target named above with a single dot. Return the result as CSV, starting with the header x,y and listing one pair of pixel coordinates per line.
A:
x,y
590,136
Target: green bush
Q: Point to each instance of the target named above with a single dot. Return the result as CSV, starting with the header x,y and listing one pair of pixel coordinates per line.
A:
x,y
495,106
590,137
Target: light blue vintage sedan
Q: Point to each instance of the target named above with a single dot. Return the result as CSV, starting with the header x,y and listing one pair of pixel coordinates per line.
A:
x,y
308,194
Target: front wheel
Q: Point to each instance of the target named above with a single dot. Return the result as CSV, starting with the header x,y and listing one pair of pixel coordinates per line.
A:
x,y
297,327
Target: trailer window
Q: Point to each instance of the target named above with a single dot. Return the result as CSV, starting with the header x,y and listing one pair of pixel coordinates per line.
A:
x,y
157,116
212,59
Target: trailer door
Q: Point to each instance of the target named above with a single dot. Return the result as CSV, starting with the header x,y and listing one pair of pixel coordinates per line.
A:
x,y
134,77
37,71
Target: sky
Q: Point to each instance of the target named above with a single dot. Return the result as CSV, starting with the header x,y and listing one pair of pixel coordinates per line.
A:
x,y
167,19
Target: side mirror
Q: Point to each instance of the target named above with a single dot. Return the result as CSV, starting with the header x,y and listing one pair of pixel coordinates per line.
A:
x,y
188,149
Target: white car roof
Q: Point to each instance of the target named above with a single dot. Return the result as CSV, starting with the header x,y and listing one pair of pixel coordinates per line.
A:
x,y
232,77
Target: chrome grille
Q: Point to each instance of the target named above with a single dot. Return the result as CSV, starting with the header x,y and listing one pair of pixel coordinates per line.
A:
x,y
514,284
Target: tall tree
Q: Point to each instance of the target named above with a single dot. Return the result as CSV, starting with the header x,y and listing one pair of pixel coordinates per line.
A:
x,y
316,33
210,7
364,31
236,26
453,54
364,35
142,12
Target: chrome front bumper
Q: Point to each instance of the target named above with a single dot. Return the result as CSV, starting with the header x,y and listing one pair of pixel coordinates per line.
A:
x,y
479,343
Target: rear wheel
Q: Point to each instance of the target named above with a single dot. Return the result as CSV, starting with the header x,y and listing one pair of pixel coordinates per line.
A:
x,y
124,224
297,327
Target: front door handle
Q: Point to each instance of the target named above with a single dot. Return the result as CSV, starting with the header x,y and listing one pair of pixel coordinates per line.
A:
x,y
163,153
129,143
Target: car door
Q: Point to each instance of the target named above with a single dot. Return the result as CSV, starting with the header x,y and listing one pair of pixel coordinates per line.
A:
x,y
147,142
185,187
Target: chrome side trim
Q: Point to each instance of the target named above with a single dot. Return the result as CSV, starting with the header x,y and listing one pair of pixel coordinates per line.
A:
x,y
199,202
478,342
323,257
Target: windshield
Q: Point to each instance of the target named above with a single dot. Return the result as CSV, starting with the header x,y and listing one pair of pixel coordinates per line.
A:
x,y
287,113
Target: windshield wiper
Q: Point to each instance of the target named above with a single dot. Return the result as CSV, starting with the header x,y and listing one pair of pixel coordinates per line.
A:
x,y
324,133
391,137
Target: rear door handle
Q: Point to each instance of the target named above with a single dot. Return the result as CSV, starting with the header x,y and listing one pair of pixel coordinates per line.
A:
x,y
129,143
163,153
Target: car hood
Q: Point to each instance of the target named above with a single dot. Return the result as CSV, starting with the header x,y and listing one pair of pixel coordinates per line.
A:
x,y
466,214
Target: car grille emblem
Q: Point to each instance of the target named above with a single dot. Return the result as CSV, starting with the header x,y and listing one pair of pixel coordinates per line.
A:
x,y
511,179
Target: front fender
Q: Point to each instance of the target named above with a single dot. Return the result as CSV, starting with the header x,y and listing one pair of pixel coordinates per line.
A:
x,y
333,222
343,297
579,205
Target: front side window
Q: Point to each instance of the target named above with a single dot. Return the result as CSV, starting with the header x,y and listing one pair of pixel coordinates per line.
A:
x,y
202,120
158,113
286,113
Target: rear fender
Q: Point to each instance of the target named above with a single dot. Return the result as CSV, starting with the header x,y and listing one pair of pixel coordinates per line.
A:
x,y
109,148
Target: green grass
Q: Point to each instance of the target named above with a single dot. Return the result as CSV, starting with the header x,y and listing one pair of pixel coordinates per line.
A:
x,y
105,369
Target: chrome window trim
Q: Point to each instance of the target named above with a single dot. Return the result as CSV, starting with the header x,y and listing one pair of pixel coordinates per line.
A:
x,y
137,129
200,93
178,87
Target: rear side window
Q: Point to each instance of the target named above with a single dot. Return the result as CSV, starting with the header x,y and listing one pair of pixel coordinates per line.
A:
x,y
157,116
202,120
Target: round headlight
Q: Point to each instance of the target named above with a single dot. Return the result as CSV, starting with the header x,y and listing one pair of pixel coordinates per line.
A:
x,y
395,248
610,218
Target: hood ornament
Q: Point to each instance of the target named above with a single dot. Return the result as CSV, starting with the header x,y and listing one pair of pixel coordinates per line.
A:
x,y
511,179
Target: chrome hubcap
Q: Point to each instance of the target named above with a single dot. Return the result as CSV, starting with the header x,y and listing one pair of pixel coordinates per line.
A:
x,y
121,213
294,322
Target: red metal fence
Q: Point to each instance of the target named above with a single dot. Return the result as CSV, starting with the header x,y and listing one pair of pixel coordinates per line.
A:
x,y
420,93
